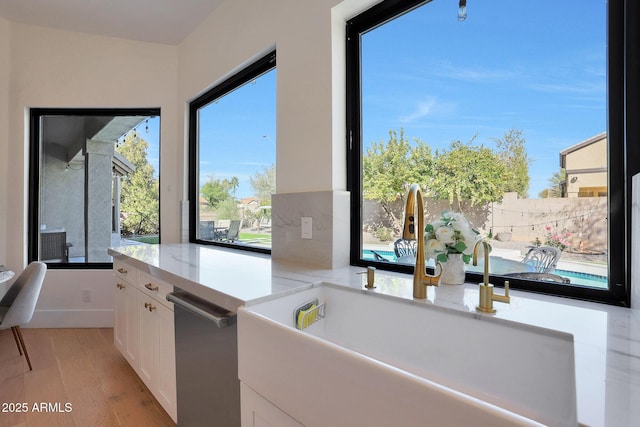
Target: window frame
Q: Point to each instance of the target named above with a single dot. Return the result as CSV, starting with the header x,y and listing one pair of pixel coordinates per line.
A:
x,y
33,211
261,66
623,61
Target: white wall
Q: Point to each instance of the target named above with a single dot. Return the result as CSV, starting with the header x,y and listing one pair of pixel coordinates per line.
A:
x,y
53,68
238,32
42,67
4,133
311,145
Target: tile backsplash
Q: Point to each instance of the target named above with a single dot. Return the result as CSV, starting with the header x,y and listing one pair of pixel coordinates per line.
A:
x,y
329,245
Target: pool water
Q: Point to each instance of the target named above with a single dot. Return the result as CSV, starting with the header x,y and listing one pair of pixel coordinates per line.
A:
x,y
576,277
584,279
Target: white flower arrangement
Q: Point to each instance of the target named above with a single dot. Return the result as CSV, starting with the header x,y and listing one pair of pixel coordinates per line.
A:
x,y
451,234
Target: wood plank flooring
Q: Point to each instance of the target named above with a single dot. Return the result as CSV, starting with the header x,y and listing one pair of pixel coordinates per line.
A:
x,y
79,378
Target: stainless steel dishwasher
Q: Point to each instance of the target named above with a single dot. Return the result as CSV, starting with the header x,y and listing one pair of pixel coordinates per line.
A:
x,y
208,388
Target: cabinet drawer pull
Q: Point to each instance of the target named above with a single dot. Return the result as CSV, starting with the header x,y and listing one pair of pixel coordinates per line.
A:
x,y
149,306
151,287
120,286
122,270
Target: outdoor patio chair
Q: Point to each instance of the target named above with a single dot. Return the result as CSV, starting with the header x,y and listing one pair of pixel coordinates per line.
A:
x,y
54,246
378,257
544,277
234,231
403,247
229,234
207,229
543,259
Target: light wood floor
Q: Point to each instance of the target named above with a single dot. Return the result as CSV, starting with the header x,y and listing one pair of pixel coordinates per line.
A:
x,y
80,367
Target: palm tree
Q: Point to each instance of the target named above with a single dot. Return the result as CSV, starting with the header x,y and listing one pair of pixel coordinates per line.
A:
x,y
556,183
235,183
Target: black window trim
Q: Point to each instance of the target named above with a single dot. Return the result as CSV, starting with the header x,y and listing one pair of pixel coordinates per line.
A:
x,y
623,84
261,66
33,210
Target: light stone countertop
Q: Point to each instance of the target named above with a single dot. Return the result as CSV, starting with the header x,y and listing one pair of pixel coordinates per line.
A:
x,y
606,338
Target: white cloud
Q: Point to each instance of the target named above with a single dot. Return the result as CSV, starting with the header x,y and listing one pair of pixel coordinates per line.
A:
x,y
428,107
472,74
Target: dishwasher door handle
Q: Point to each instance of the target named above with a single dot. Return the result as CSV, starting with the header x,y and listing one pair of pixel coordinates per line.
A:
x,y
221,317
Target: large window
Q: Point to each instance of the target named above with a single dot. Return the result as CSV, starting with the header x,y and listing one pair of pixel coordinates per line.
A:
x,y
232,146
94,184
511,117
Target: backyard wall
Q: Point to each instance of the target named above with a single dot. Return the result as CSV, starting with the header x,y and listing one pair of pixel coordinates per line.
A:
x,y
585,218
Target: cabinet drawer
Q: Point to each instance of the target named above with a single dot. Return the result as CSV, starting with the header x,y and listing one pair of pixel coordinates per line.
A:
x,y
155,288
125,272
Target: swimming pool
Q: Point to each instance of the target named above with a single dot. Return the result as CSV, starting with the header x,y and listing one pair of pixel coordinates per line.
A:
x,y
576,277
584,279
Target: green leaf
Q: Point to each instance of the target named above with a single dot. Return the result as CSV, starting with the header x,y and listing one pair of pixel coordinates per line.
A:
x,y
442,257
460,246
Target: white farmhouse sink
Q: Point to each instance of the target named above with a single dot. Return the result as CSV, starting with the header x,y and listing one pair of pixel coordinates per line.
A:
x,y
380,360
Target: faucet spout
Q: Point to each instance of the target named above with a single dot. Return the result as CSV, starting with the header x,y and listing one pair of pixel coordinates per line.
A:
x,y
486,249
413,229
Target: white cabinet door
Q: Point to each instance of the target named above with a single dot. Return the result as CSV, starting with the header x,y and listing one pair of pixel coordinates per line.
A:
x,y
167,361
256,411
132,337
144,334
148,340
120,321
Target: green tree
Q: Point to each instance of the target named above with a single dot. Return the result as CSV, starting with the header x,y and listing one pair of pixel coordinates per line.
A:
x,y
389,168
264,183
216,191
228,209
555,185
467,173
139,194
235,183
513,153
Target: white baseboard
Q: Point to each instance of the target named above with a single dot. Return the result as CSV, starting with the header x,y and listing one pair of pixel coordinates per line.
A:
x,y
72,319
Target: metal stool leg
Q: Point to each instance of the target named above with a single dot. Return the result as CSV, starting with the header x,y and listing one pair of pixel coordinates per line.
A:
x,y
23,347
15,337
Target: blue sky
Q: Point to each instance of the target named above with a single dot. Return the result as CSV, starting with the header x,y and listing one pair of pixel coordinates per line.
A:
x,y
152,136
534,66
238,133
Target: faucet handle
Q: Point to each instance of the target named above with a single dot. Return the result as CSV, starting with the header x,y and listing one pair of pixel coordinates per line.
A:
x,y
503,298
487,297
435,279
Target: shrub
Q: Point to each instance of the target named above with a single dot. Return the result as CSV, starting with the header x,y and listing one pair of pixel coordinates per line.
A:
x,y
384,234
557,239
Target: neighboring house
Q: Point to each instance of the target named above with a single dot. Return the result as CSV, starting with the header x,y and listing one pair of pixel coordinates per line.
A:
x,y
250,202
586,166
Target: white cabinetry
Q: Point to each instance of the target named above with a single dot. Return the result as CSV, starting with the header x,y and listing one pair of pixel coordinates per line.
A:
x,y
120,322
144,331
256,411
